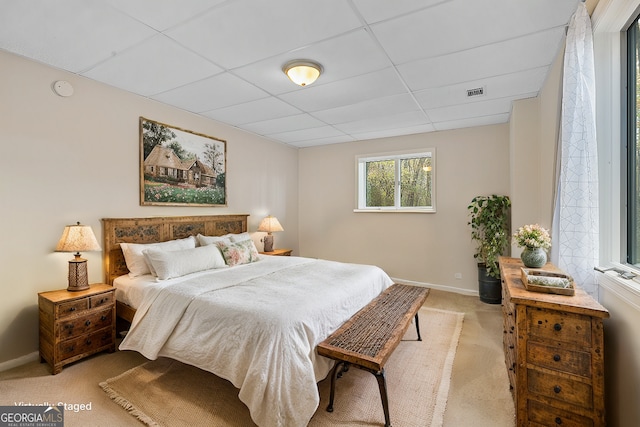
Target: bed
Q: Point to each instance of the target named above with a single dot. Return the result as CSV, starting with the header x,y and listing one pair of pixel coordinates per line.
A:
x,y
256,324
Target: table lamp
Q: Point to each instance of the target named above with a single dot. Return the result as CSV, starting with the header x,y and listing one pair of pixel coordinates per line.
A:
x,y
269,224
76,238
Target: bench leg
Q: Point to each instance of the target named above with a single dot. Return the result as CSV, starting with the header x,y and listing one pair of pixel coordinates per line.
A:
x,y
334,374
418,327
382,385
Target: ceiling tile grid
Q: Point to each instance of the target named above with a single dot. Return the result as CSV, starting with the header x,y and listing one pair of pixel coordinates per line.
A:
x,y
389,67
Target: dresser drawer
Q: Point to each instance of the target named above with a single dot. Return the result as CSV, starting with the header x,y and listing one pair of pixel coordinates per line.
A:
x,y
85,344
71,307
559,359
540,414
74,326
566,390
102,300
559,326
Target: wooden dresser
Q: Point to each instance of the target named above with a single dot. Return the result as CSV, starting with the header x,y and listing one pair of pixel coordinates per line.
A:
x,y
74,325
554,352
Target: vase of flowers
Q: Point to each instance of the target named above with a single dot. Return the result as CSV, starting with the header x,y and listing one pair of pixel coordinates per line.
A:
x,y
535,240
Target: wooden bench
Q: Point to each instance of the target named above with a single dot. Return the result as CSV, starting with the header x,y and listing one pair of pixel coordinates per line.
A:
x,y
372,334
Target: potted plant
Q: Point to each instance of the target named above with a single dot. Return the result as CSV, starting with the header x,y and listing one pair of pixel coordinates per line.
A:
x,y
490,230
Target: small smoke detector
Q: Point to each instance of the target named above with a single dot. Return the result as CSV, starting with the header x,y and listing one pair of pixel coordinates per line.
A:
x,y
478,91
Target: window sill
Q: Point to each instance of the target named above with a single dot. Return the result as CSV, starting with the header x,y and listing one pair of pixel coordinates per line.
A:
x,y
626,289
424,211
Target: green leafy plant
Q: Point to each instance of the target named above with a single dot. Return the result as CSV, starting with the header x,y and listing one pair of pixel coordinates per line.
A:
x,y
490,229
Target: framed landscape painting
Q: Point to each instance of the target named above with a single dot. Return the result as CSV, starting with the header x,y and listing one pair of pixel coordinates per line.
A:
x,y
179,167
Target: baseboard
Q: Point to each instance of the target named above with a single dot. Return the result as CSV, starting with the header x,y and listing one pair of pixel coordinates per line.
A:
x,y
22,360
438,287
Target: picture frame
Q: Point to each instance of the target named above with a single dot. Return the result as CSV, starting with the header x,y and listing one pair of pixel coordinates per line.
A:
x,y
179,167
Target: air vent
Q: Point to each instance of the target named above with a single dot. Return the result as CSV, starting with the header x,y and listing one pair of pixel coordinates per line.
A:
x,y
479,91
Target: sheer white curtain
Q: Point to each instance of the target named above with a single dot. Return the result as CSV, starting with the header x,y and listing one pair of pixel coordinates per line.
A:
x,y
575,217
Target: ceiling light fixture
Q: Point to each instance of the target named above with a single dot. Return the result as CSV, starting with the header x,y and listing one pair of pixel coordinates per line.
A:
x,y
302,72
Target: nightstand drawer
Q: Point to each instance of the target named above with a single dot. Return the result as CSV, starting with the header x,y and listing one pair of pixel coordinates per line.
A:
x,y
85,344
559,359
559,326
544,415
72,307
81,325
102,300
566,390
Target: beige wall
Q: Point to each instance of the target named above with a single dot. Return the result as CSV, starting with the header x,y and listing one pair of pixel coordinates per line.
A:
x,y
76,159
418,247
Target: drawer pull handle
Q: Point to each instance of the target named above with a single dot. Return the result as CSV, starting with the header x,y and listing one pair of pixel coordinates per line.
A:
x,y
72,309
558,420
87,323
101,301
556,357
557,327
557,389
103,318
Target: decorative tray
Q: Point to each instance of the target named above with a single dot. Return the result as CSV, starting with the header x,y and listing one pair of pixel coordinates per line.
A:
x,y
550,282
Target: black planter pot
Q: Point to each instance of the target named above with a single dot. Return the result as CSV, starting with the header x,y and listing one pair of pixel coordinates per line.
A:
x,y
490,288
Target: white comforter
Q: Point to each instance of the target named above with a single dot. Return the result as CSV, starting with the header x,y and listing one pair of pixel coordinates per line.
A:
x,y
257,325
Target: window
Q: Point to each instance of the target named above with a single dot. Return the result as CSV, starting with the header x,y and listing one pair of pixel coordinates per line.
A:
x,y
396,182
633,144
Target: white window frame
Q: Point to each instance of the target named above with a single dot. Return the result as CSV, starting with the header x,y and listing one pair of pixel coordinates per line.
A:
x,y
361,186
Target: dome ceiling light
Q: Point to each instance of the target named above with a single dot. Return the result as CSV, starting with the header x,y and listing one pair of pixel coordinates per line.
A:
x,y
302,72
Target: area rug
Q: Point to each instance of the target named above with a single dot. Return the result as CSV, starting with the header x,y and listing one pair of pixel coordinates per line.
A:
x,y
168,393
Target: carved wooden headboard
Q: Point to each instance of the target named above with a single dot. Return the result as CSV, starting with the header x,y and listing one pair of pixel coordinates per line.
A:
x,y
159,229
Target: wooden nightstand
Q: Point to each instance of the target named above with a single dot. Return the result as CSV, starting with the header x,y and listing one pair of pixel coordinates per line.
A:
x,y
279,252
74,325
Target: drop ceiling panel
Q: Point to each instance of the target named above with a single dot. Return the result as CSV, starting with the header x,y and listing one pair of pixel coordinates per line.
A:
x,y
283,124
378,107
473,121
397,121
322,132
163,14
222,90
378,10
510,56
153,66
460,24
242,32
393,132
472,109
72,35
253,111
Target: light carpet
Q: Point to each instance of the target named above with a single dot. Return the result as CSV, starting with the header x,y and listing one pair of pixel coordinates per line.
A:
x,y
165,392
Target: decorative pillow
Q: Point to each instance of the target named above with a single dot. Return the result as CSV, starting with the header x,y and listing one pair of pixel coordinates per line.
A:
x,y
170,264
236,253
135,260
210,240
240,237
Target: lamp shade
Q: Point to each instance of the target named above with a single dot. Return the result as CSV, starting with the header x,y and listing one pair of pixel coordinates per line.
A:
x,y
302,73
76,238
270,224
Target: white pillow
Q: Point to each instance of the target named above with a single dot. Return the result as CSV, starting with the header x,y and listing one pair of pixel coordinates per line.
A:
x,y
170,264
135,259
241,237
209,240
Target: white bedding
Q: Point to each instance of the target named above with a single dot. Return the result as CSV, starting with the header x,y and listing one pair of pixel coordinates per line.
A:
x,y
256,325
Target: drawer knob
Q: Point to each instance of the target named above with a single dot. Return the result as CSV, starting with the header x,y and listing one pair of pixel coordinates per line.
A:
x,y
557,327
103,318
88,342
87,323
558,420
557,389
101,300
72,309
68,326
556,357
